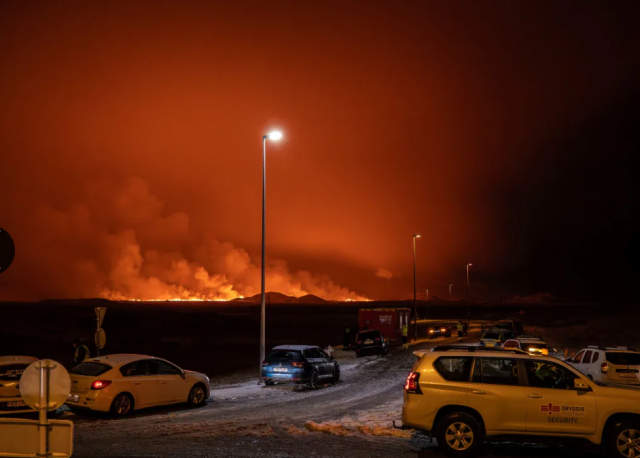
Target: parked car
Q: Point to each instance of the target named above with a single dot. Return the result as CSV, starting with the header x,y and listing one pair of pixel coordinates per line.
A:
x,y
608,365
463,395
120,384
11,369
495,338
370,341
512,326
301,364
439,330
534,345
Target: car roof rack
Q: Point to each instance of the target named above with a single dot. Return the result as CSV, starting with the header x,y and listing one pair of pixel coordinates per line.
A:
x,y
471,348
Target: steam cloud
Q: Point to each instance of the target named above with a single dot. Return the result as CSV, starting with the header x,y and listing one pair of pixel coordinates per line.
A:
x,y
117,244
384,273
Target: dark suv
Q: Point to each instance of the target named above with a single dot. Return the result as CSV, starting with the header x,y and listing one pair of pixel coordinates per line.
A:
x,y
301,364
370,341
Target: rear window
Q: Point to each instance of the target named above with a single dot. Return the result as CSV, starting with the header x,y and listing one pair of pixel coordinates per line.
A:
x,y
454,369
368,335
624,359
491,335
90,369
281,356
12,372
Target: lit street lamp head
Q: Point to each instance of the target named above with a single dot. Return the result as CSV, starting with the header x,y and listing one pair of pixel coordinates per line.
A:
x,y
417,236
274,135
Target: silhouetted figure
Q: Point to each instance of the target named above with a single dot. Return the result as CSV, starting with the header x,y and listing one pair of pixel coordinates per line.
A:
x,y
81,352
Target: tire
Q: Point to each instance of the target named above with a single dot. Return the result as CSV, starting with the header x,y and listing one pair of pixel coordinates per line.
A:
x,y
459,434
269,382
617,437
313,381
122,405
197,395
336,374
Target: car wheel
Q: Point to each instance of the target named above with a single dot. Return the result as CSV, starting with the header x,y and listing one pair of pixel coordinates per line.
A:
x,y
459,434
313,381
269,382
336,374
197,395
122,405
623,439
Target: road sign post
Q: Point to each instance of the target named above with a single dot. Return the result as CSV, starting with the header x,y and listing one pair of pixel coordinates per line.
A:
x,y
100,337
45,385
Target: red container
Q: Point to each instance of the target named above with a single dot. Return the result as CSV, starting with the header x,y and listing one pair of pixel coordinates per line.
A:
x,y
388,321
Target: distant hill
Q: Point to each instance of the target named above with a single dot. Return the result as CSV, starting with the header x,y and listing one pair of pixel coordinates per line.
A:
x,y
311,299
280,298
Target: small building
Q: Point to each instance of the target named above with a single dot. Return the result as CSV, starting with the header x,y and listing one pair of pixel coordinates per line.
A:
x,y
388,321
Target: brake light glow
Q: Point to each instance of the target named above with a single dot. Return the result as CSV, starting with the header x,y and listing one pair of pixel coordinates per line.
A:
x,y
604,368
443,329
431,331
359,341
412,385
297,364
100,384
377,339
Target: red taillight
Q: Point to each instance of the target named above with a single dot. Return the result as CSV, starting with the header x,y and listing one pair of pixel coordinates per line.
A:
x,y
604,368
298,364
265,362
412,385
100,384
377,339
359,341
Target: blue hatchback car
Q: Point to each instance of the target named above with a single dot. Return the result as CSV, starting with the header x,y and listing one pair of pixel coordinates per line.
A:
x,y
302,364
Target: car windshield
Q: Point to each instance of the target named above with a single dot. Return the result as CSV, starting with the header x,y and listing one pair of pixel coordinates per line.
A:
x,y
624,359
90,369
368,335
491,335
12,372
281,356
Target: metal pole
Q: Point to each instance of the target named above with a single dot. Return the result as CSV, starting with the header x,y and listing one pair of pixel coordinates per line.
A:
x,y
468,303
427,305
42,408
415,306
98,337
262,285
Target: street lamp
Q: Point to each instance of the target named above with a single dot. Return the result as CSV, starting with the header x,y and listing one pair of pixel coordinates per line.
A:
x,y
415,306
273,135
468,303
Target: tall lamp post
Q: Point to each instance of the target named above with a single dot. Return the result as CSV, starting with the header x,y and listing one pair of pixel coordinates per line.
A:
x,y
468,303
415,306
273,135
450,286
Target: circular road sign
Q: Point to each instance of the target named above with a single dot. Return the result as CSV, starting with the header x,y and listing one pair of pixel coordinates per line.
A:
x,y
7,250
59,384
100,338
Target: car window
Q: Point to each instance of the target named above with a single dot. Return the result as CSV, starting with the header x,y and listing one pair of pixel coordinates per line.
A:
x,y
134,369
313,353
544,374
454,369
281,356
496,371
595,357
578,358
10,372
586,359
491,335
323,354
157,367
511,344
90,369
623,359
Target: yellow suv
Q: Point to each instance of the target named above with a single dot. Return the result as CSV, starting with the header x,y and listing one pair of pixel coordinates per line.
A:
x,y
463,394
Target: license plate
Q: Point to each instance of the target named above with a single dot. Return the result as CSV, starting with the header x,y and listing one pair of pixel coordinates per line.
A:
x,y
627,374
368,341
490,344
73,398
16,404
280,369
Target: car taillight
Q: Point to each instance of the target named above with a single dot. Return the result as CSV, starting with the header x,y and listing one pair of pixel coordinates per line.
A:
x,y
359,341
100,384
412,385
443,329
431,331
604,368
298,364
265,362
377,339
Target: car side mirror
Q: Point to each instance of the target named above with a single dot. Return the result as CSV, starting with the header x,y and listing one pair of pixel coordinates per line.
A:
x,y
580,385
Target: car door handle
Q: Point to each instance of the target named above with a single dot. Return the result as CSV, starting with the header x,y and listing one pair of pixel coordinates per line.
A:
x,y
136,383
535,396
479,392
